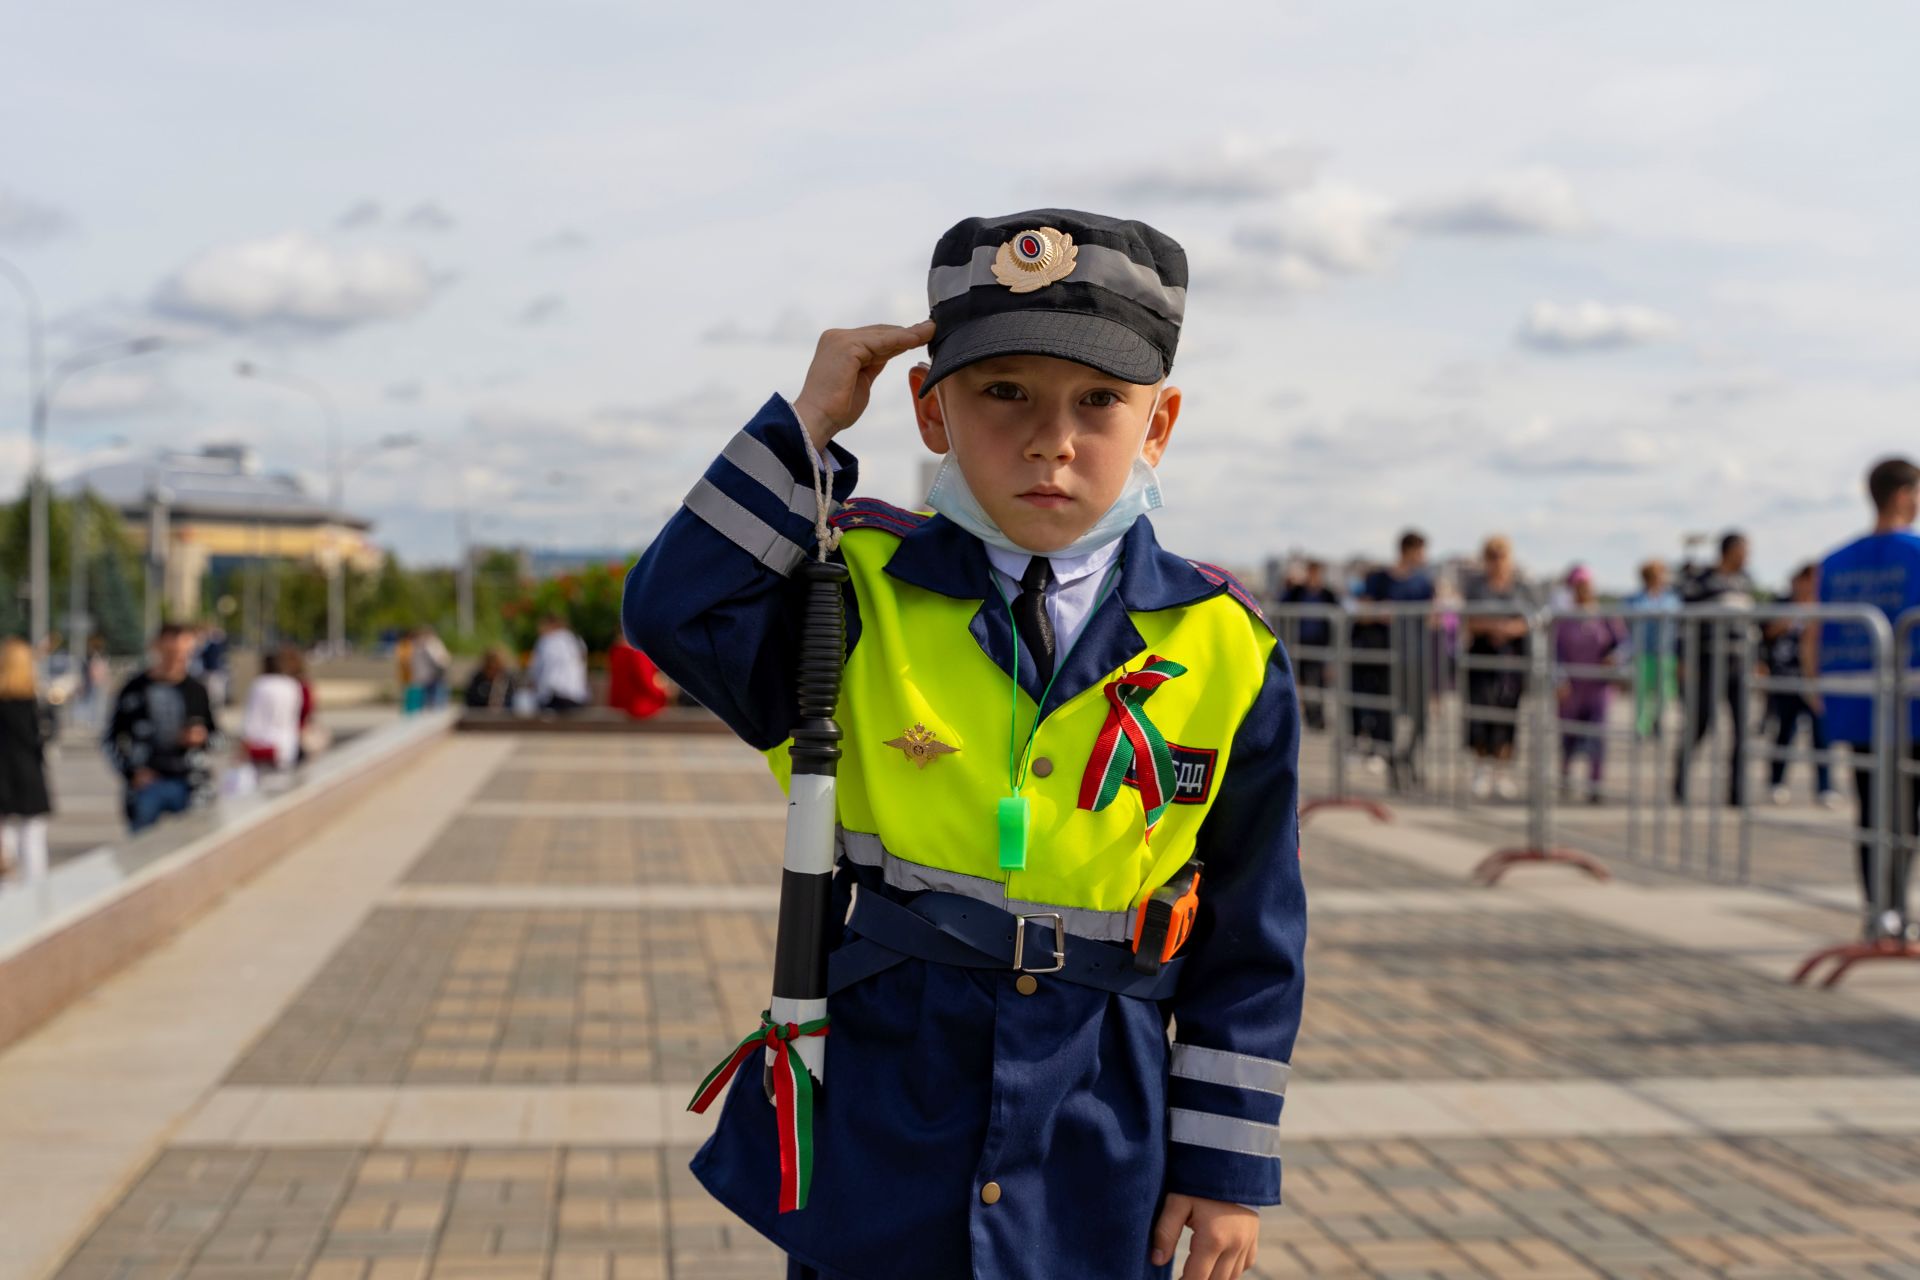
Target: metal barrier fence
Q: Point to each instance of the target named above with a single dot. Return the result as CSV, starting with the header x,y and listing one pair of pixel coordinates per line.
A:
x,y
1465,704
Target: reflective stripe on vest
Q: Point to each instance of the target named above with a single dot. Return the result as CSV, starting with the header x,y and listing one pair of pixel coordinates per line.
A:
x,y
933,824
866,850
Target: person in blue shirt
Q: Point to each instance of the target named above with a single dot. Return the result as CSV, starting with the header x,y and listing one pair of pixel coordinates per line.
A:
x,y
1403,676
1881,569
1656,643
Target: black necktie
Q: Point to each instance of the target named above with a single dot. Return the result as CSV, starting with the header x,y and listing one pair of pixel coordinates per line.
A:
x,y
1030,616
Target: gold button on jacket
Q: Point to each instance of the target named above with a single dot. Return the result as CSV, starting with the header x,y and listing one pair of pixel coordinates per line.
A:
x,y
990,1193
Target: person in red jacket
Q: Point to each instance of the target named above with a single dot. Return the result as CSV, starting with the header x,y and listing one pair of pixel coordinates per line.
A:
x,y
634,683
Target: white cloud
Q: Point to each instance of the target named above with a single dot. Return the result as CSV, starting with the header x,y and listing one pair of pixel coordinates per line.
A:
x,y
1731,392
790,326
116,320
1325,230
294,281
565,240
546,307
1460,380
1534,201
24,220
1592,326
363,214
428,216
1545,449
115,391
1238,171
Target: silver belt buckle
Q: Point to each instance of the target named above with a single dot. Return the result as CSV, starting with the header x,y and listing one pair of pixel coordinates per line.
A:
x,y
1059,941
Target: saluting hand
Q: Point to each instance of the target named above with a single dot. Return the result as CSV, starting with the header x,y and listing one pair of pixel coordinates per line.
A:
x,y
1226,1237
841,377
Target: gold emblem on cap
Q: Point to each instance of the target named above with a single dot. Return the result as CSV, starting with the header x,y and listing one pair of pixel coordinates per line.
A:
x,y
1035,259
921,746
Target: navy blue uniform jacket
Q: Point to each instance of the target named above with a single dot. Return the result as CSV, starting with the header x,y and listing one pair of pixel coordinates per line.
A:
x,y
1072,1100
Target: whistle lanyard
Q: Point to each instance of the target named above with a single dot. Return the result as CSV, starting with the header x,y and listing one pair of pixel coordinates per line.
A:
x,y
1014,814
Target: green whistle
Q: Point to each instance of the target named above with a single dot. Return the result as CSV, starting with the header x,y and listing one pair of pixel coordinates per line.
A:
x,y
1013,833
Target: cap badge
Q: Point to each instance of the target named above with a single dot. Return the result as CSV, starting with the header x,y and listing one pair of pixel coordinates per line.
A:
x,y
921,746
1035,259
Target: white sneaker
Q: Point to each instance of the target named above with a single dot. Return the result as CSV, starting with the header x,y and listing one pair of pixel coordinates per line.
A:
x,y
1891,926
1507,787
1481,785
1781,795
1830,800
1376,764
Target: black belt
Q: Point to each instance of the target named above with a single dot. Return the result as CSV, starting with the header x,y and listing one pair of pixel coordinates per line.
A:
x,y
948,928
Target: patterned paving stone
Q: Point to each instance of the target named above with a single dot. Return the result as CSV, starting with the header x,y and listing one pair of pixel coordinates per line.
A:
x,y
602,850
566,785
1329,863
518,997
1540,994
1843,1207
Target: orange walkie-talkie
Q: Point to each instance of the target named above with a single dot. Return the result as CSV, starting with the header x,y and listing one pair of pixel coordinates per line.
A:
x,y
1164,920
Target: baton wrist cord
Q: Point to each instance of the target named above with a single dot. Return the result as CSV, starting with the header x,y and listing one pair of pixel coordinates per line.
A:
x,y
792,1098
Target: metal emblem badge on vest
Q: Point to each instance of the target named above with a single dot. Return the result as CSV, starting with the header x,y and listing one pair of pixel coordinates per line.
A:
x,y
920,745
1192,771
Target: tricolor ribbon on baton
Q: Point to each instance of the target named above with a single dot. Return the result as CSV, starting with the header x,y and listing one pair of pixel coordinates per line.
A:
x,y
1129,736
792,1099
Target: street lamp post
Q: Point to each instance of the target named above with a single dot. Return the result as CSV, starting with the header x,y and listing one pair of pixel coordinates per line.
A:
x,y
48,390
334,566
36,469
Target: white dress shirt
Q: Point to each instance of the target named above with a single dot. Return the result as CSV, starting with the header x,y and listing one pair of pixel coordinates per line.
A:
x,y
1076,588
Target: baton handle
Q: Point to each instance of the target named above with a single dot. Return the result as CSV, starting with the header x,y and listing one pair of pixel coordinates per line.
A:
x,y
806,878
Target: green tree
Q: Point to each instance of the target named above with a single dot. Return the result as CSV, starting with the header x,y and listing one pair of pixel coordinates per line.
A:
x,y
113,566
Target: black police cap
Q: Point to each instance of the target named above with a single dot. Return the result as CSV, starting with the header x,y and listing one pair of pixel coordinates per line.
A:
x,y
1105,292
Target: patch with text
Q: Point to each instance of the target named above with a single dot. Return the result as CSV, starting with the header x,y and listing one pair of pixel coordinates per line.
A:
x,y
1192,773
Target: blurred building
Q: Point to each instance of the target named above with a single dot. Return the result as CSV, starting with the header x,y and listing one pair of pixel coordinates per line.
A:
x,y
215,511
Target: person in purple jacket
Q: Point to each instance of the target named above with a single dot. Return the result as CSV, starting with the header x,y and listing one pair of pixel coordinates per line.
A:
x,y
1583,641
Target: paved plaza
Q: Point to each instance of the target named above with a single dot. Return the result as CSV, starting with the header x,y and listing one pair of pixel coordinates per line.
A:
x,y
451,1036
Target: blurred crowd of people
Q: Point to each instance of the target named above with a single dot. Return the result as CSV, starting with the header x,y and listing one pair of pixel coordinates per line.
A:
x,y
159,729
1680,641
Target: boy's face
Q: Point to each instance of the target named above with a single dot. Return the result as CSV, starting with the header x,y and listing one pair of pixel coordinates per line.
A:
x,y
1045,445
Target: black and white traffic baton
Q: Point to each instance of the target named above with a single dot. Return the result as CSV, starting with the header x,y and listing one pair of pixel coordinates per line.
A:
x,y
793,1030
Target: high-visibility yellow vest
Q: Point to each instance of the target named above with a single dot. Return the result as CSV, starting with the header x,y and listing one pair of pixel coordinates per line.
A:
x,y
934,826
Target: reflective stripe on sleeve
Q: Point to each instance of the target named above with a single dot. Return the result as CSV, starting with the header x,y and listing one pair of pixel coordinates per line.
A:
x,y
1223,1133
753,456
1236,1070
744,529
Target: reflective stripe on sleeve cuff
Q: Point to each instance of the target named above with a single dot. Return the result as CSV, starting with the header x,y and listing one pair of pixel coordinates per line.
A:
x,y
1235,1070
752,456
1223,1133
744,529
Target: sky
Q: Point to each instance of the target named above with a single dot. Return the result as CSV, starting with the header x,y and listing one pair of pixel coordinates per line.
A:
x,y
1597,277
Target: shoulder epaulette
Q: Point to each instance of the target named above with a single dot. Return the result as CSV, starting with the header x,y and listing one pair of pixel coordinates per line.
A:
x,y
1220,577
871,513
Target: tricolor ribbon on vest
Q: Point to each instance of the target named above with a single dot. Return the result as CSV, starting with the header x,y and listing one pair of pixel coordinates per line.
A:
x,y
1129,737
792,1099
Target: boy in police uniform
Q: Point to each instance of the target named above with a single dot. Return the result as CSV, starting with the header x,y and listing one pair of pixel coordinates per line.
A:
x,y
1007,1097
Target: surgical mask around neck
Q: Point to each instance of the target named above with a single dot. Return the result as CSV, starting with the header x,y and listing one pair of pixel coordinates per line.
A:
x,y
951,497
